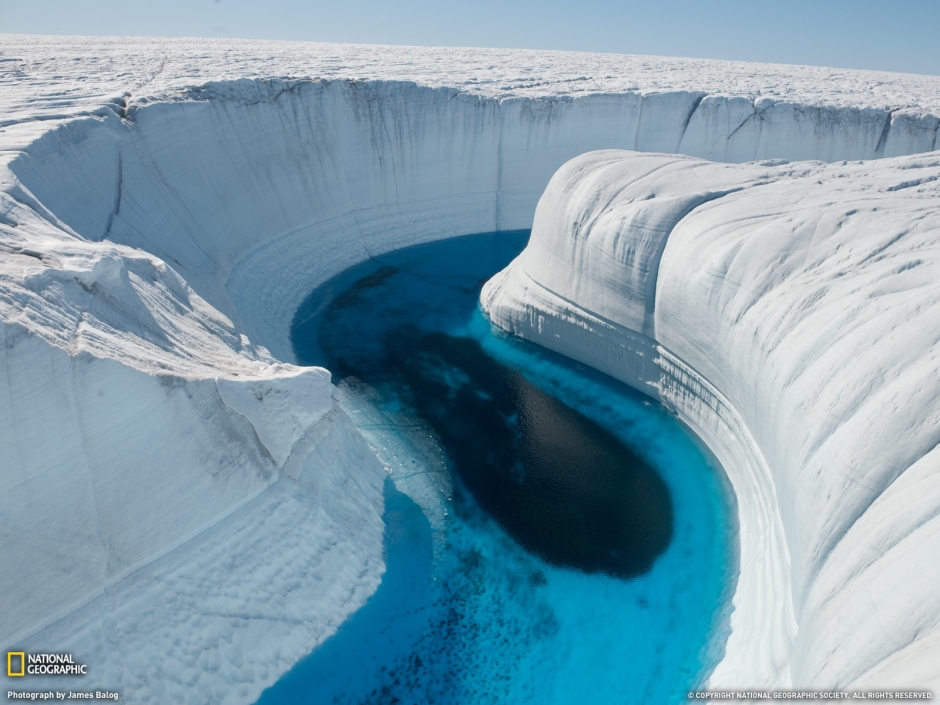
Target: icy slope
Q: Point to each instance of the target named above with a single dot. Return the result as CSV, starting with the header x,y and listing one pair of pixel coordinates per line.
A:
x,y
165,205
801,304
163,479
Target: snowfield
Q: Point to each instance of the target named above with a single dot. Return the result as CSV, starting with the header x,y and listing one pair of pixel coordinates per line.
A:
x,y
190,514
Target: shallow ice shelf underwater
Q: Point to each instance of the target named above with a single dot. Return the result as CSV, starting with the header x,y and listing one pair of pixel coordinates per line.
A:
x,y
551,535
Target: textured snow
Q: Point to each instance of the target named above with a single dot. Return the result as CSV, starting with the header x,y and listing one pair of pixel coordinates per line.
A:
x,y
45,74
165,205
805,298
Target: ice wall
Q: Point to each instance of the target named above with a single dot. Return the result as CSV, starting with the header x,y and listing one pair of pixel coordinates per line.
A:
x,y
240,183
158,230
171,494
799,302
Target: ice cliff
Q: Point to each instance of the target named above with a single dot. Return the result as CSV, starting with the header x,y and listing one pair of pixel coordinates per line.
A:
x,y
190,513
790,311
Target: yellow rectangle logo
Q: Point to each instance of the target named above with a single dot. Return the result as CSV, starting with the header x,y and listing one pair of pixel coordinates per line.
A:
x,y
10,656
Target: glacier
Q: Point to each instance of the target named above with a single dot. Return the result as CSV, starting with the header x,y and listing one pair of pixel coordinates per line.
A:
x,y
182,497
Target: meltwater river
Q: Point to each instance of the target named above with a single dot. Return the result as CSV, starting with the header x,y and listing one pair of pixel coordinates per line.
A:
x,y
552,536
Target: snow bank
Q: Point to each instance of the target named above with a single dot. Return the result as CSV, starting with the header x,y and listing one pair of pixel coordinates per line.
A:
x,y
161,217
793,311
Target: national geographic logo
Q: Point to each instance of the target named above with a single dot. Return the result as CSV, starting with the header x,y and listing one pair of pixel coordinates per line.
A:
x,y
19,663
14,658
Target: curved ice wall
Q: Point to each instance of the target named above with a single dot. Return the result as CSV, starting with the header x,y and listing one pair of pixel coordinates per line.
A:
x,y
787,312
233,183
164,450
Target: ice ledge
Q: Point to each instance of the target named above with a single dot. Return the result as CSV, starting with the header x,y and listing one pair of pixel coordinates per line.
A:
x,y
280,409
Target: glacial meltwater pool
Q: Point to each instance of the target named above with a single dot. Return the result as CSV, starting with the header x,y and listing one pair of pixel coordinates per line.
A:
x,y
552,536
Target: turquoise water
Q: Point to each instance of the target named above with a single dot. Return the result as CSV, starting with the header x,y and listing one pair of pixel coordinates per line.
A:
x,y
551,535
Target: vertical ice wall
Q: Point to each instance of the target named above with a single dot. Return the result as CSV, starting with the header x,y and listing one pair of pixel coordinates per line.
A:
x,y
234,181
791,308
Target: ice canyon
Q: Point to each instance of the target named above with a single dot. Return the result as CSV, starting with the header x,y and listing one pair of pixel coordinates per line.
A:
x,y
755,246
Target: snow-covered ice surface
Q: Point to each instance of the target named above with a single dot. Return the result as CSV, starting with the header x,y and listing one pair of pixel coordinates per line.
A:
x,y
801,303
177,492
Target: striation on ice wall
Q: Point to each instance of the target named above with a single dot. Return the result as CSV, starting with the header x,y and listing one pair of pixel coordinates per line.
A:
x,y
803,299
165,205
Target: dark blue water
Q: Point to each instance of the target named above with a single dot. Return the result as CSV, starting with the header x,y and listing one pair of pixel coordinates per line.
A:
x,y
552,536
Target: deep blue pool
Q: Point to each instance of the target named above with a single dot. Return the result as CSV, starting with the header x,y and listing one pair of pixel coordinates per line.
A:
x,y
552,536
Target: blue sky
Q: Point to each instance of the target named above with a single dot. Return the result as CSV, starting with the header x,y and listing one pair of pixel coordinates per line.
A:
x,y
898,36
